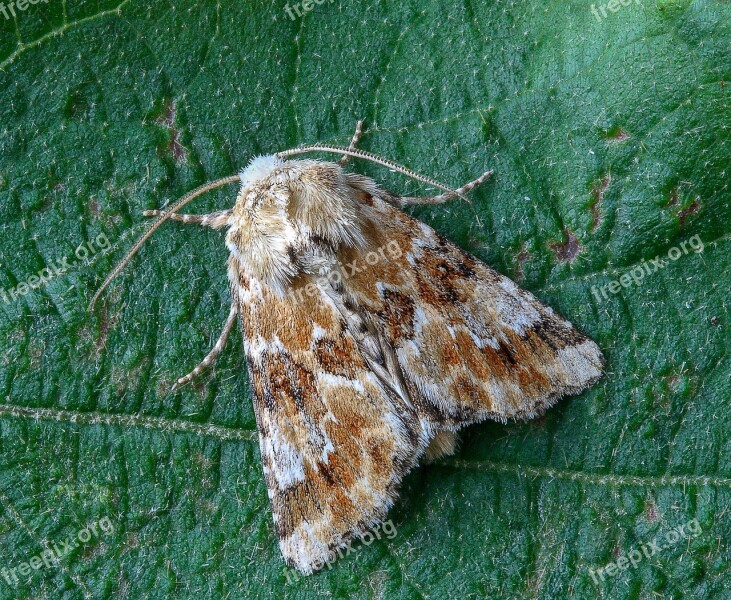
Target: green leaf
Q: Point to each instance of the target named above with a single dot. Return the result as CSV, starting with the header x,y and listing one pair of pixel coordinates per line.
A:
x,y
609,137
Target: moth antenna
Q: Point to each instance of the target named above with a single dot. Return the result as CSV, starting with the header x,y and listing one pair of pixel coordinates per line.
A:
x,y
384,162
192,195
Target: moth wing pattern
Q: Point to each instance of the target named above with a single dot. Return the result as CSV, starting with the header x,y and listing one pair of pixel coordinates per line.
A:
x,y
470,343
335,440
371,368
354,379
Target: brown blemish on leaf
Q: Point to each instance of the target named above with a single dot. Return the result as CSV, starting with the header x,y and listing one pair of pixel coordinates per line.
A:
x,y
106,322
616,134
568,250
673,381
168,120
103,330
597,195
651,512
678,197
520,260
691,209
94,206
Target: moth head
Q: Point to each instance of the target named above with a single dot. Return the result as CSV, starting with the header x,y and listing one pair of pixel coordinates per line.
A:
x,y
284,210
311,197
259,169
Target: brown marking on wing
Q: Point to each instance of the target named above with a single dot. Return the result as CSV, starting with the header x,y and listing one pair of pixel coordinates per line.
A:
x,y
365,198
329,353
397,314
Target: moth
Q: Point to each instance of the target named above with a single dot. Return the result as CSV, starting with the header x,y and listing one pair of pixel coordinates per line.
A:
x,y
370,339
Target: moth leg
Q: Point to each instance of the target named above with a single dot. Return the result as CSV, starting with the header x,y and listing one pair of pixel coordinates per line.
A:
x,y
213,354
215,220
354,142
442,198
